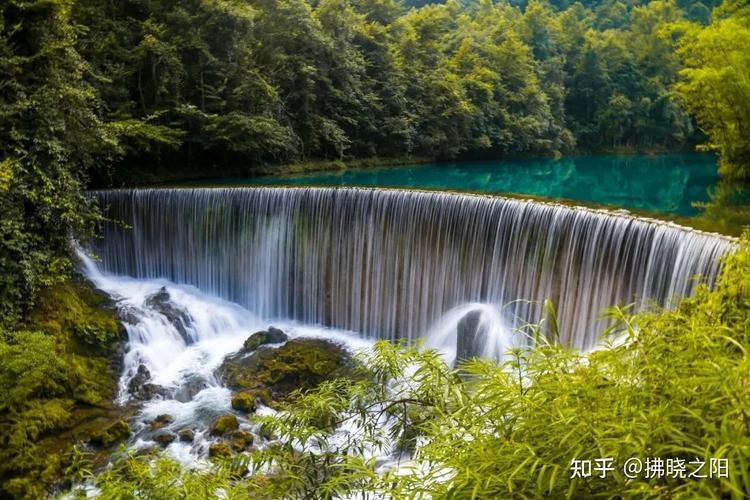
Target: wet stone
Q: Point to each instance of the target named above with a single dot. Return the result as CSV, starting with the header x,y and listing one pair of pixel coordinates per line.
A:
x,y
162,421
224,425
164,438
264,337
186,435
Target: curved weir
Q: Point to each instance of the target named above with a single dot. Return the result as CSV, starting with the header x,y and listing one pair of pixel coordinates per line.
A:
x,y
391,263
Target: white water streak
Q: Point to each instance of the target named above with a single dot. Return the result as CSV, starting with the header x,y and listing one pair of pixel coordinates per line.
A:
x,y
390,263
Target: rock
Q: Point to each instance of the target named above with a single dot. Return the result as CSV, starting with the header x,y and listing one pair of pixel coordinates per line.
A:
x,y
270,336
178,317
139,386
298,364
219,450
186,435
192,386
116,432
224,425
142,375
244,401
241,440
162,420
116,362
466,335
129,315
164,438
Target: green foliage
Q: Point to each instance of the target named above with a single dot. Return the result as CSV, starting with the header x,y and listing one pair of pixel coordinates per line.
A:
x,y
716,82
214,85
49,136
166,479
51,373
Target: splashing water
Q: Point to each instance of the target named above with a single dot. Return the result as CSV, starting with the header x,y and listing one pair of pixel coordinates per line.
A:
x,y
182,364
472,330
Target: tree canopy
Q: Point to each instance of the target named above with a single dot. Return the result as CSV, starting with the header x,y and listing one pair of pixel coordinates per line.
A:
x,y
219,83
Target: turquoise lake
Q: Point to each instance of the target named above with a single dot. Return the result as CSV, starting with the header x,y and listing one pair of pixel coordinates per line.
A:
x,y
667,184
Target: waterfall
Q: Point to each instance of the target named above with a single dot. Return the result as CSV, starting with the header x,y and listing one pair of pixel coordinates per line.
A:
x,y
391,263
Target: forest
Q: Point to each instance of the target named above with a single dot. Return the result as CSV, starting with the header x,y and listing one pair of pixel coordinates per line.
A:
x,y
112,93
220,84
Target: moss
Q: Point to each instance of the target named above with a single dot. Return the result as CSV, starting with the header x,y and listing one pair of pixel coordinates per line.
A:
x,y
298,364
60,374
162,420
219,450
225,424
77,314
244,401
115,433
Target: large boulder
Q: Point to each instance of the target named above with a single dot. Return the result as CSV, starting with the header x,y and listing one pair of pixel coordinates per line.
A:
x,y
467,335
298,364
177,316
264,337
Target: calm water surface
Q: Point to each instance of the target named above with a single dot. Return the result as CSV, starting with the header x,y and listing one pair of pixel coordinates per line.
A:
x,y
666,183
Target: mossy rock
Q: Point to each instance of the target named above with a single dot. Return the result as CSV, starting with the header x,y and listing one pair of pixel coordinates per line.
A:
x,y
241,440
298,364
80,313
162,421
219,450
270,336
78,327
164,438
224,425
118,431
244,401
186,435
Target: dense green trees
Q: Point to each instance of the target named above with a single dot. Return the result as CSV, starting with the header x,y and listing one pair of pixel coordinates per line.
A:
x,y
49,136
717,82
222,83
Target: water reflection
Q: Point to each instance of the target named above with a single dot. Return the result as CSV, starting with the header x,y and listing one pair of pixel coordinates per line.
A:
x,y
667,183
685,187
727,211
